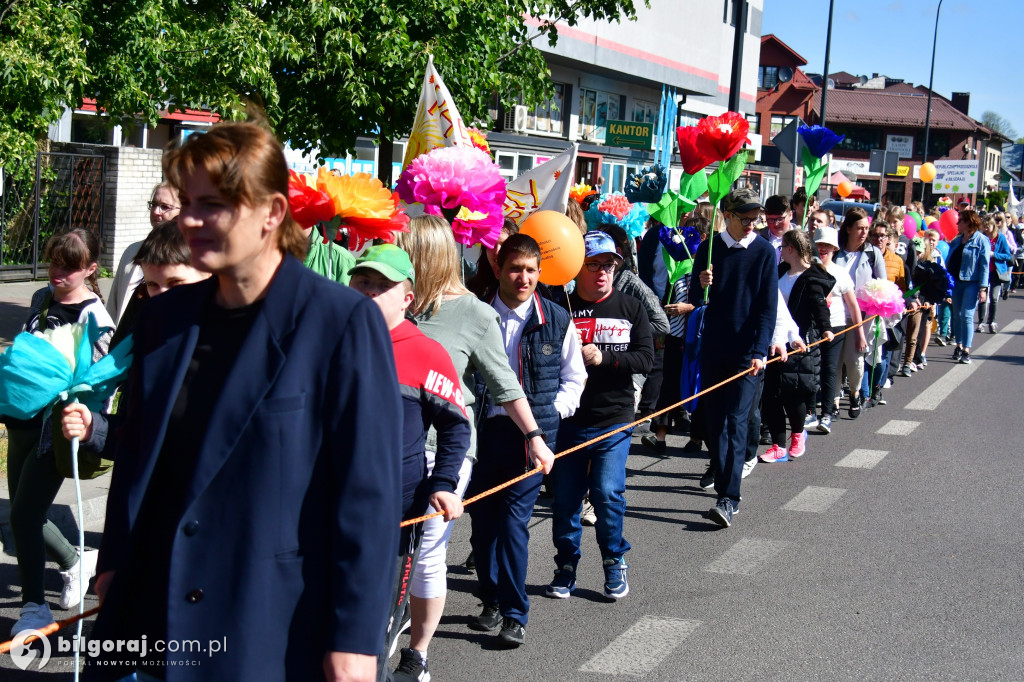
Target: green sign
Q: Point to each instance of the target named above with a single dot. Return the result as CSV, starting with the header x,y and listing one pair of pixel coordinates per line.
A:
x,y
629,134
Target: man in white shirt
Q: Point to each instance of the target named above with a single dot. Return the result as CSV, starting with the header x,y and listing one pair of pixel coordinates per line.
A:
x,y
544,352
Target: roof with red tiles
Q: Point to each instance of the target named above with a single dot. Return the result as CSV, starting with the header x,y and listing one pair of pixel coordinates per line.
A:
x,y
880,106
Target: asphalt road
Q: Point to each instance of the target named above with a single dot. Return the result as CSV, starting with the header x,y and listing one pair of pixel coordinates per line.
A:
x,y
891,551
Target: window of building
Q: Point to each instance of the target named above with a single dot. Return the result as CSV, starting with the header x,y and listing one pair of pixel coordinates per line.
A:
x,y
507,165
614,175
645,112
778,123
91,129
860,139
938,145
596,109
688,118
767,76
547,116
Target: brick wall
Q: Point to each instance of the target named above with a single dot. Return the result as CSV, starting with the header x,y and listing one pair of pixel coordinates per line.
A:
x,y
130,176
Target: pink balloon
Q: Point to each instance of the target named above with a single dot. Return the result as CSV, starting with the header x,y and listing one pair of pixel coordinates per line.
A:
x,y
909,227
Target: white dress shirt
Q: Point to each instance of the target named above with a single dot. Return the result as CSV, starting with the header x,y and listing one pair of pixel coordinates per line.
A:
x,y
742,243
572,371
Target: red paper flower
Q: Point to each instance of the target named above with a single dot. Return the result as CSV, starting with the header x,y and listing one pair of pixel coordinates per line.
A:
x,y
694,158
308,205
720,137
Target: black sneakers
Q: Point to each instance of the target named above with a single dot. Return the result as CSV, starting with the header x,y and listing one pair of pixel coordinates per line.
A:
x,y
723,512
855,405
965,357
707,481
412,668
489,619
512,632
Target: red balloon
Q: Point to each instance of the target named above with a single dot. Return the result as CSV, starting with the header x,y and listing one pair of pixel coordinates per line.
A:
x,y
947,225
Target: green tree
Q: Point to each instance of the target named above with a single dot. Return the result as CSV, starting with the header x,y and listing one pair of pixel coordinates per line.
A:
x,y
991,119
324,71
43,68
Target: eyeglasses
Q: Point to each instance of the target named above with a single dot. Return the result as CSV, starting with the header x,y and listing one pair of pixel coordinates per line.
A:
x,y
606,267
747,222
880,236
773,221
164,208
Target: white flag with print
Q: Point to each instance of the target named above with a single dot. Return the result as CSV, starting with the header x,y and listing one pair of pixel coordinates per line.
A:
x,y
544,188
438,122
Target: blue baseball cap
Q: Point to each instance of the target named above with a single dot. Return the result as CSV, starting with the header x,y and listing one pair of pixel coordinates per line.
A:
x,y
595,243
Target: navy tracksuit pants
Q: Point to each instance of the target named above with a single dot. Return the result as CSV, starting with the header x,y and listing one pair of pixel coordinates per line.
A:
x,y
500,522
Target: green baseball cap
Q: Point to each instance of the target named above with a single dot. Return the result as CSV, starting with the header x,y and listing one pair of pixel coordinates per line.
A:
x,y
388,260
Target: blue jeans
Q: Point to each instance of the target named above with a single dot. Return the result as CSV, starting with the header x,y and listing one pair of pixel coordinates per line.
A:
x,y
965,303
606,481
728,410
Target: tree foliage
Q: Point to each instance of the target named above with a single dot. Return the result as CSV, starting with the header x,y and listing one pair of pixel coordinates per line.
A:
x,y
1001,125
324,71
43,68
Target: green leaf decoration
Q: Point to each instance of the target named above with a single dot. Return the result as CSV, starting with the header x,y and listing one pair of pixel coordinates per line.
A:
x,y
692,187
670,207
676,270
814,171
722,179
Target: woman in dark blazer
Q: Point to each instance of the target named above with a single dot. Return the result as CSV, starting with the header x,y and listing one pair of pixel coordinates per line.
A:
x,y
255,500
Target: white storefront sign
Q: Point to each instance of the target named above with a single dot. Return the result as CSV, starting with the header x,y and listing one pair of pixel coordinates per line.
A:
x,y
903,145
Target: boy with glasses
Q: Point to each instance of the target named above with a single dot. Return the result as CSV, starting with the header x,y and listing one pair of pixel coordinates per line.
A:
x,y
778,218
617,344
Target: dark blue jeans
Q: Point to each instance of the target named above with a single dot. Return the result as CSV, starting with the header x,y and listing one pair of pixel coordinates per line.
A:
x,y
501,532
727,412
601,469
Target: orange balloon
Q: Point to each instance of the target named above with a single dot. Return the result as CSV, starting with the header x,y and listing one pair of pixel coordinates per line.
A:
x,y
927,172
845,188
561,246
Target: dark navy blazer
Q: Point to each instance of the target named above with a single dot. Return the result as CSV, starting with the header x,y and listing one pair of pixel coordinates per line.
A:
x,y
286,547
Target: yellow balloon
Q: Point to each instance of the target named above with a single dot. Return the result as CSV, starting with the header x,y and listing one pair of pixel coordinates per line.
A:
x,y
561,246
927,172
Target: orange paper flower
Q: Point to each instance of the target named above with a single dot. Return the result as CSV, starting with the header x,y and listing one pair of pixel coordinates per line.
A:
x,y
581,191
365,206
479,139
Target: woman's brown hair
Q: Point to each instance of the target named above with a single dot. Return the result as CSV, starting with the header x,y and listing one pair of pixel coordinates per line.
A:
x,y
972,219
75,250
435,259
246,164
852,217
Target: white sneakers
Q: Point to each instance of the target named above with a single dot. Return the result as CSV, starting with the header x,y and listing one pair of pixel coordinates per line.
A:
x,y
73,590
32,617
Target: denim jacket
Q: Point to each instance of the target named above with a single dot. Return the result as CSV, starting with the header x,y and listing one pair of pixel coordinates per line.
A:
x,y
976,255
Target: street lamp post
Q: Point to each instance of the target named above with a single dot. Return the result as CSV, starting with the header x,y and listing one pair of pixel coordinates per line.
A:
x,y
931,82
824,76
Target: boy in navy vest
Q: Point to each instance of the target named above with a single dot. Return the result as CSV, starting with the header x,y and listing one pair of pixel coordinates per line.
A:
x,y
543,350
617,344
738,325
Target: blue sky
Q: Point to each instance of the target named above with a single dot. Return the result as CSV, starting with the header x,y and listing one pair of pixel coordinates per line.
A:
x,y
977,52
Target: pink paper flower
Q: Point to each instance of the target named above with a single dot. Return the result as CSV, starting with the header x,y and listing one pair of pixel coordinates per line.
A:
x,y
616,204
880,297
458,178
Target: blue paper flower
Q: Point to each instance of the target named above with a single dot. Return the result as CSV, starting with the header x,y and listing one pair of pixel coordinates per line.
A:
x,y
648,185
680,242
819,140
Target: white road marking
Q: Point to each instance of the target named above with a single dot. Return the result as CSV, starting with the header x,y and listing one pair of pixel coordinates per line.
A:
x,y
897,427
930,398
862,459
642,647
814,499
746,556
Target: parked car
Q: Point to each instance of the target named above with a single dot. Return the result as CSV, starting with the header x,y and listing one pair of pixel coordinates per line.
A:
x,y
841,207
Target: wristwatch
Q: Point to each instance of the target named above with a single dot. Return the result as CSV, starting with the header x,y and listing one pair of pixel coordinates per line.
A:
x,y
533,434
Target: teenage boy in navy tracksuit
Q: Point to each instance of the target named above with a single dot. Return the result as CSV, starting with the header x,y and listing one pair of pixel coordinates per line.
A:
x,y
431,396
543,350
738,323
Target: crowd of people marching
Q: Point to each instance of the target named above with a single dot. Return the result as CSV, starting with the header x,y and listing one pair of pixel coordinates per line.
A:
x,y
268,445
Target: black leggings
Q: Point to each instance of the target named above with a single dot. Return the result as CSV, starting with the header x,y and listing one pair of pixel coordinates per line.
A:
x,y
792,406
831,351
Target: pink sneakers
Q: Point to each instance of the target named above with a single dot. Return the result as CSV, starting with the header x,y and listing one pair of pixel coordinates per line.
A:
x,y
797,444
774,454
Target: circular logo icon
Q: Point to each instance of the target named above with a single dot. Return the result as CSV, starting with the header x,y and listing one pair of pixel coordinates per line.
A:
x,y
546,349
23,653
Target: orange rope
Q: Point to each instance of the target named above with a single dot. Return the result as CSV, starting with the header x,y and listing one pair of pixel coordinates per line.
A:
x,y
590,442
5,647
52,628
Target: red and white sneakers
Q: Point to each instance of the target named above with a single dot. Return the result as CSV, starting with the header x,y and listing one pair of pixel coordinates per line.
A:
x,y
797,445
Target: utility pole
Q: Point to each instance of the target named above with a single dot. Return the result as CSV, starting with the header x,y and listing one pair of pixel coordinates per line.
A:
x,y
740,20
931,82
824,75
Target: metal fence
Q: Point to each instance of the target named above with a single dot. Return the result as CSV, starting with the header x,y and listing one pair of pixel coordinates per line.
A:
x,y
66,192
